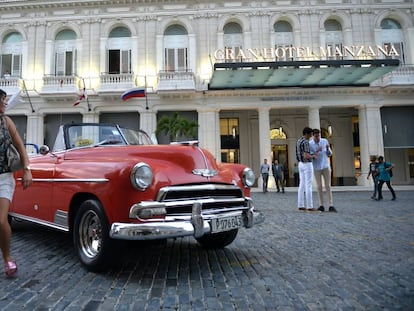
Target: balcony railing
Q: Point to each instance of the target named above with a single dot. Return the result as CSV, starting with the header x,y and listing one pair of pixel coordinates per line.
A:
x,y
10,85
176,81
60,84
112,82
403,75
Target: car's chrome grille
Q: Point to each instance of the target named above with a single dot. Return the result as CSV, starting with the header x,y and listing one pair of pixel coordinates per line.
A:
x,y
179,199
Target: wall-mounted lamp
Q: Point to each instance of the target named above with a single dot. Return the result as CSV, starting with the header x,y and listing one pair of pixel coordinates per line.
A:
x,y
233,132
330,130
280,130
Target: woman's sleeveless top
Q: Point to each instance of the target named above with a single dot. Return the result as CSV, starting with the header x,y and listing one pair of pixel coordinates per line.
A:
x,y
5,141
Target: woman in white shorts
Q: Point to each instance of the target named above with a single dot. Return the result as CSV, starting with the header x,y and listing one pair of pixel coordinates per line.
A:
x,y
9,134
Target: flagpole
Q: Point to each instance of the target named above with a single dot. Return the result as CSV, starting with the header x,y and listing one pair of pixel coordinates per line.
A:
x,y
146,94
28,96
86,95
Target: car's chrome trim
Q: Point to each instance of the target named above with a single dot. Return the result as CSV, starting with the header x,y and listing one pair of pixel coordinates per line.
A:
x,y
88,180
134,210
196,226
195,188
61,218
41,222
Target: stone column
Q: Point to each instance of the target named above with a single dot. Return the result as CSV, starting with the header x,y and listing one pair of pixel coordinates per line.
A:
x,y
34,131
313,117
90,117
148,122
264,137
209,131
371,142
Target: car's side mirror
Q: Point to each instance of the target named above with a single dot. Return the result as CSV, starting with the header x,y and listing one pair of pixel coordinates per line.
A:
x,y
44,150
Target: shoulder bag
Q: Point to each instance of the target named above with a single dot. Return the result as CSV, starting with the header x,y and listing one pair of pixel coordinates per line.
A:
x,y
13,156
13,159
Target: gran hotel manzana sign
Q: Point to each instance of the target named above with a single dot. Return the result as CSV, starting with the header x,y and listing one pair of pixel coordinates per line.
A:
x,y
306,53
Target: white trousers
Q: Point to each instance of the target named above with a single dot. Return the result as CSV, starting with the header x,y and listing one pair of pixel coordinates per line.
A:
x,y
326,173
305,185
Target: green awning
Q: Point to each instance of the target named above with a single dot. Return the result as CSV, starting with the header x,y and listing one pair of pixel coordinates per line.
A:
x,y
299,73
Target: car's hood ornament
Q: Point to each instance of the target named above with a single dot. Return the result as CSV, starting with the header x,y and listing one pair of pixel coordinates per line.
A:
x,y
204,172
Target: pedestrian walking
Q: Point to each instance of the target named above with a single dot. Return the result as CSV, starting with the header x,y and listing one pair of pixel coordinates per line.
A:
x,y
304,158
277,170
8,136
373,172
384,176
322,168
264,170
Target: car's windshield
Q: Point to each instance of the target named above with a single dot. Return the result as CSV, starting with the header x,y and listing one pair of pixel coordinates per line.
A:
x,y
84,135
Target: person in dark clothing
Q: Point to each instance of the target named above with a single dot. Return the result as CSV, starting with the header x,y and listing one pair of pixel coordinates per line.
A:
x,y
384,176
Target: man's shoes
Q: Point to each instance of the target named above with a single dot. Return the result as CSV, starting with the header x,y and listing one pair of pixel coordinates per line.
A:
x,y
283,191
302,208
373,197
278,190
321,208
378,199
313,210
332,209
393,199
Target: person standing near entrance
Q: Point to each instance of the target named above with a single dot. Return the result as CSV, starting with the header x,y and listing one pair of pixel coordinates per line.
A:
x,y
304,158
384,176
277,170
372,171
264,170
322,168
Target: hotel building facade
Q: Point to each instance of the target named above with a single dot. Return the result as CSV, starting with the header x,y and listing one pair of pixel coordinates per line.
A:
x,y
252,74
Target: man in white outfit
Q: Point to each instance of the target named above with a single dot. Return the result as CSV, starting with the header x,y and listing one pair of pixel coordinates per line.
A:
x,y
304,158
322,168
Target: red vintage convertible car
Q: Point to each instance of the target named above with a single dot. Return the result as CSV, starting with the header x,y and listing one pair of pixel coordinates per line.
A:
x,y
103,183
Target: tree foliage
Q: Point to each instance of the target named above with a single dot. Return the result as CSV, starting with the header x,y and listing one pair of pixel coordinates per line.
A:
x,y
175,126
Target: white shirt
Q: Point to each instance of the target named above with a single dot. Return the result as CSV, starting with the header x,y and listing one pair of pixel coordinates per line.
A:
x,y
321,161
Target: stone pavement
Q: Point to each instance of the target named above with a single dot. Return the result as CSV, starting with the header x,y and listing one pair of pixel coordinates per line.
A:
x,y
361,258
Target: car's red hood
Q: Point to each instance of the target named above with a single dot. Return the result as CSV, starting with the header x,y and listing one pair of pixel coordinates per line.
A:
x,y
171,164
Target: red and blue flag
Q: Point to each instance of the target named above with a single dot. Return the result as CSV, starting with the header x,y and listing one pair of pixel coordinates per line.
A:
x,y
134,92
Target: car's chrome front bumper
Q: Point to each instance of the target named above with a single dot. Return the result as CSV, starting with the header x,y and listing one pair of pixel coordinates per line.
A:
x,y
175,226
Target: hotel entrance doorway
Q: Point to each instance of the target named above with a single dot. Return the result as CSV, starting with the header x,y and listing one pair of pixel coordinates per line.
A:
x,y
280,153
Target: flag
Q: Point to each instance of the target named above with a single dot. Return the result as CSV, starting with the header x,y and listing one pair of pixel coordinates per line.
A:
x,y
134,92
81,97
15,99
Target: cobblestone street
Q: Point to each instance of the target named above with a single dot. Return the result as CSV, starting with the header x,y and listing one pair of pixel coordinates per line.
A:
x,y
361,258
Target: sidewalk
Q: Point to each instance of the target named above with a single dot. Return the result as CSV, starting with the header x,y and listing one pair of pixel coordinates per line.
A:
x,y
345,188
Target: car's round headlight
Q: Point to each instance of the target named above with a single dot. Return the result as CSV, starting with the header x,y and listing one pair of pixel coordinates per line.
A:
x,y
248,177
141,176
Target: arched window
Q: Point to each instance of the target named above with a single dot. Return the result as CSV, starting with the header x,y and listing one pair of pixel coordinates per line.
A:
x,y
333,38
65,53
176,49
233,41
119,51
11,55
391,34
283,38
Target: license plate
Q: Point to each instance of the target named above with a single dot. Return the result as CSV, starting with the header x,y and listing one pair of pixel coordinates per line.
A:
x,y
226,223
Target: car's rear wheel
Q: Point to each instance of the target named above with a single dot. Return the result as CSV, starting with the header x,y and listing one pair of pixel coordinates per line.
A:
x,y
218,240
91,236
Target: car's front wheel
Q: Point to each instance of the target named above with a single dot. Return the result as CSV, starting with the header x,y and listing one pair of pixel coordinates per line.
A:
x,y
91,236
218,240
